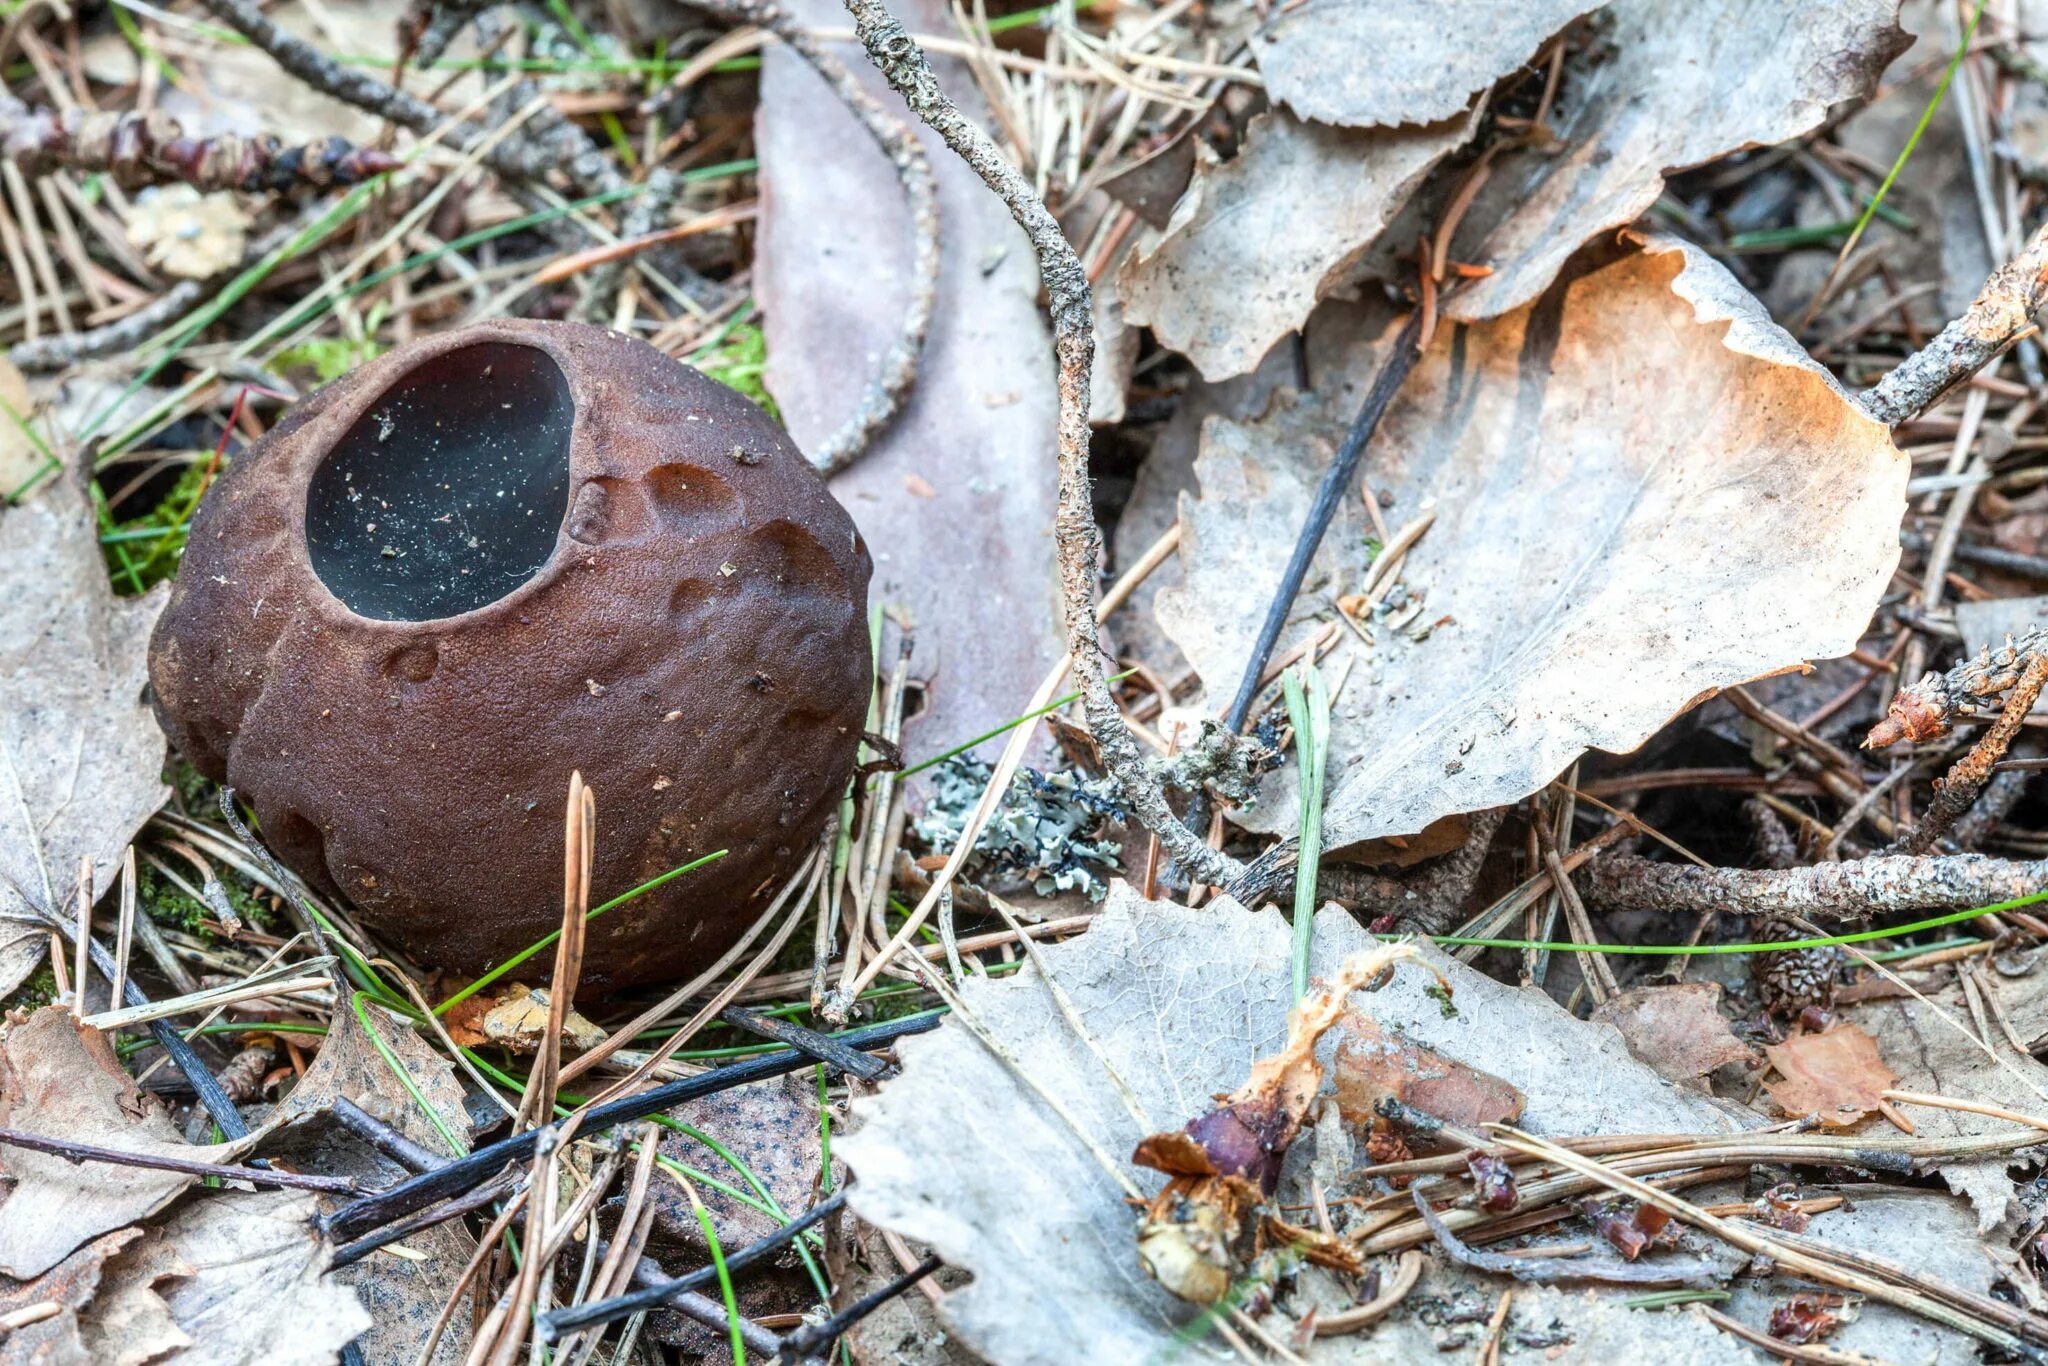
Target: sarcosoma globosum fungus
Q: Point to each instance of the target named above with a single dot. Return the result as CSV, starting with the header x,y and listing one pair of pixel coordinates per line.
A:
x,y
490,558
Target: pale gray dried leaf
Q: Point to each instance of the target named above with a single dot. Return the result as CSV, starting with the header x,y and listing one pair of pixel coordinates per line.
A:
x,y
1258,240
1665,84
1367,63
955,498
70,1284
60,1081
1965,1057
1677,1030
1181,1003
242,1277
1933,1233
404,1294
81,758
1643,492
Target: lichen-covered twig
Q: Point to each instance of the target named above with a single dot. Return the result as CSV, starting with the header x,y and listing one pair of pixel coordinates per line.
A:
x,y
1624,882
883,396
1079,540
531,155
1954,793
2002,310
146,149
1928,709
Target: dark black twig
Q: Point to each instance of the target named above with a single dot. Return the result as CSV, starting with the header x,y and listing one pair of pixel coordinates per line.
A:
x,y
487,1193
553,1326
123,1157
814,1340
464,1173
384,1138
809,1042
1336,481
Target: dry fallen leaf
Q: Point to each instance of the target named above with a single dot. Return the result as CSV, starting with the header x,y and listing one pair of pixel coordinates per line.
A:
x,y
63,1081
81,758
241,1276
69,1285
832,275
1377,63
1258,240
185,234
1181,1003
770,1126
1606,550
1374,1065
1837,1077
1676,1030
1662,85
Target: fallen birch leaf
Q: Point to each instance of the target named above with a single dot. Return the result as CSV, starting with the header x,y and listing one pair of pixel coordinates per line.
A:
x,y
1258,240
1661,86
1837,1077
241,1275
1678,1031
1181,1003
61,1081
832,272
1605,551
1377,63
81,758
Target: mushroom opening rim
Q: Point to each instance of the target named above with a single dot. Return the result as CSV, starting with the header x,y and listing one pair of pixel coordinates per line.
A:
x,y
361,410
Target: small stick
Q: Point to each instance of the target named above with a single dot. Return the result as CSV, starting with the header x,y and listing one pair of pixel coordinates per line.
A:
x,y
551,1327
809,1042
1077,536
123,1157
1834,890
79,974
124,931
814,1340
383,1137
1955,793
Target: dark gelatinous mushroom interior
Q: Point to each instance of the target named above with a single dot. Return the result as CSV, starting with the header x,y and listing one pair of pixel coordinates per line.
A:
x,y
449,491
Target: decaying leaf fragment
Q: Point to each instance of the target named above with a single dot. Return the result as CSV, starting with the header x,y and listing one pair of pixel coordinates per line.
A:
x,y
1223,1163
1662,85
1258,240
1678,1029
60,1080
1374,1065
1837,1076
1377,63
81,758
1642,489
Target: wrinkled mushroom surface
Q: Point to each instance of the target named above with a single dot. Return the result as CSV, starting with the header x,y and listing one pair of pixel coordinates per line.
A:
x,y
495,556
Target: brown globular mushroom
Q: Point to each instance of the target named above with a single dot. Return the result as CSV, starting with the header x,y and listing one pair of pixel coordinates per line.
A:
x,y
493,557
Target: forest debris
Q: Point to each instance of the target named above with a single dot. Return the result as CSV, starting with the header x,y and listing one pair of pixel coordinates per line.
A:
x,y
403,1294
1180,1003
20,459
61,1080
1386,62
1836,1077
1304,201
518,1020
186,234
832,272
1677,1030
1929,708
1661,86
66,1288
1372,1065
1936,1046
1660,542
240,1275
771,1126
1941,1234
1223,1163
81,758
